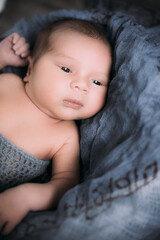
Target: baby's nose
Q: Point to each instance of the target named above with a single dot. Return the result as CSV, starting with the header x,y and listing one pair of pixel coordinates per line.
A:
x,y
80,85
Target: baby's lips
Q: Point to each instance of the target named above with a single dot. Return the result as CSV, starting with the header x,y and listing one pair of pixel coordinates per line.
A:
x,y
72,103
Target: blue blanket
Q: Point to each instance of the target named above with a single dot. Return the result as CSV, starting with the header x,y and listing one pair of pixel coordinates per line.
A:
x,y
119,195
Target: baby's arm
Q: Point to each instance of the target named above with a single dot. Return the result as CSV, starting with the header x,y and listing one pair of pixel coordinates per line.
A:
x,y
15,203
13,51
65,174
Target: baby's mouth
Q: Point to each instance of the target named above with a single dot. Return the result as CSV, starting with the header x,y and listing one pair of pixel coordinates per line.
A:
x,y
72,103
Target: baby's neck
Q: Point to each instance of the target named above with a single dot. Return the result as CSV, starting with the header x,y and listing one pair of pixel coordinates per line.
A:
x,y
38,111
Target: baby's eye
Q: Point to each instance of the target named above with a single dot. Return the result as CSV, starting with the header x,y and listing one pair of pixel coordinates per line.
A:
x,y
97,82
65,69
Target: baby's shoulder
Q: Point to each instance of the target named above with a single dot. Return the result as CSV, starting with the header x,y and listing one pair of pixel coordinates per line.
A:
x,y
69,130
10,78
64,136
9,81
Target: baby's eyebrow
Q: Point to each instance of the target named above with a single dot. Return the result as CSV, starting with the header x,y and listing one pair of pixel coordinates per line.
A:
x,y
67,57
101,74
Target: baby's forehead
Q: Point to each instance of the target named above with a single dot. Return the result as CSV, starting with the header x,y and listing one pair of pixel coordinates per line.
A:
x,y
76,34
71,39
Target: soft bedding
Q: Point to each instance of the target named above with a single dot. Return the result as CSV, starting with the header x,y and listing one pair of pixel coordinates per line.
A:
x,y
119,194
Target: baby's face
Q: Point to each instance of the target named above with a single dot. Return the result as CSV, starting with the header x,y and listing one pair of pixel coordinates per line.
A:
x,y
70,81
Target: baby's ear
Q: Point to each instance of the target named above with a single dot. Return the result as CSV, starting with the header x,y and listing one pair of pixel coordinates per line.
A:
x,y
29,70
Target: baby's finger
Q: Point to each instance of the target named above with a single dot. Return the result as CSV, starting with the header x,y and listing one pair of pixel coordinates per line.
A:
x,y
2,229
21,49
3,223
25,54
19,43
7,228
15,37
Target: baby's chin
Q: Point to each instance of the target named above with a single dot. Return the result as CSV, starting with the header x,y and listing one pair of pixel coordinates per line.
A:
x,y
73,115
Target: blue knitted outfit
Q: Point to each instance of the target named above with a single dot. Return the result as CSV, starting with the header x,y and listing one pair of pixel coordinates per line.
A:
x,y
17,166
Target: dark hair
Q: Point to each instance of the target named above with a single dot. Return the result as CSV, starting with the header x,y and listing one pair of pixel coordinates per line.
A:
x,y
85,27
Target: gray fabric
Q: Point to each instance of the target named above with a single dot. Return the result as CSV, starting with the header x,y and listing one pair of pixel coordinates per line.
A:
x,y
17,166
119,197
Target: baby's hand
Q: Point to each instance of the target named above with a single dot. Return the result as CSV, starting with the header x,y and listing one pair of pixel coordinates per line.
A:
x,y
14,51
20,47
13,208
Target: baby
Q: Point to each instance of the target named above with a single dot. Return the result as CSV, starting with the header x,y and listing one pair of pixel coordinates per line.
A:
x,y
67,77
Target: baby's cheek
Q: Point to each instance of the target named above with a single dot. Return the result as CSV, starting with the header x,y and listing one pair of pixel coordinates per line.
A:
x,y
101,99
96,106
